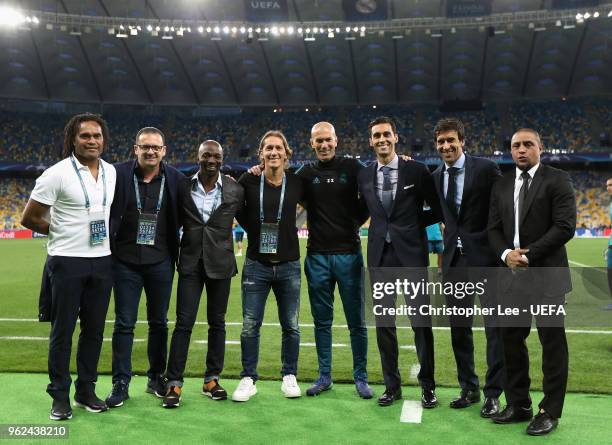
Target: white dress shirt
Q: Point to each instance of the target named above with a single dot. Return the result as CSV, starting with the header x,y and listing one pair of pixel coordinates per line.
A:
x,y
393,173
518,183
204,200
460,178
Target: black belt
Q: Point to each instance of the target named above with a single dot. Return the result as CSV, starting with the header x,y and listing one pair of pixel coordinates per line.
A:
x,y
270,263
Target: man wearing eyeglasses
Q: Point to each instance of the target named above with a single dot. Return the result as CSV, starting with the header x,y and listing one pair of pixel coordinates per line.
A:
x,y
144,242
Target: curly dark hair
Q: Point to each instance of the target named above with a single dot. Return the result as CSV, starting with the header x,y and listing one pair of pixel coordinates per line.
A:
x,y
72,129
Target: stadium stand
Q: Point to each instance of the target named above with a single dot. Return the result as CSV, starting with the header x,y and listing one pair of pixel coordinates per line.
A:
x,y
14,194
591,199
564,125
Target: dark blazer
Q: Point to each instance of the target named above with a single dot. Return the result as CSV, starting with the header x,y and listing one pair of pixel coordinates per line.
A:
x,y
548,223
125,183
212,241
408,220
471,223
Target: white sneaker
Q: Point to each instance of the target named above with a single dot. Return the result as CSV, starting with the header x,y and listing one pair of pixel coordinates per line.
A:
x,y
290,387
245,390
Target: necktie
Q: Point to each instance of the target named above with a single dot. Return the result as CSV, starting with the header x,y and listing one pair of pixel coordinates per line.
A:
x,y
451,192
387,190
523,193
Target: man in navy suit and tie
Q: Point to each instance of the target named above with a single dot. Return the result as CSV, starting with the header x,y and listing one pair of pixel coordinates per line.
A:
x,y
395,192
464,186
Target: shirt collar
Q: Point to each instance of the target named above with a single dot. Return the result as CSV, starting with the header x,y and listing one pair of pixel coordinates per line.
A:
x,y
195,181
531,171
78,164
394,164
138,170
459,163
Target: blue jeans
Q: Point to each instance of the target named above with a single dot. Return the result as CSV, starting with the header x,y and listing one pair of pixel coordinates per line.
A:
x,y
257,279
156,279
322,273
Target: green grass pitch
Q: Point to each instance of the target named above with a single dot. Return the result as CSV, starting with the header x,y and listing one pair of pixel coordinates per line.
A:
x,y
337,417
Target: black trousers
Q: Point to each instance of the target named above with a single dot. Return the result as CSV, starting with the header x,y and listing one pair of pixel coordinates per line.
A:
x,y
386,337
190,288
555,362
80,288
462,337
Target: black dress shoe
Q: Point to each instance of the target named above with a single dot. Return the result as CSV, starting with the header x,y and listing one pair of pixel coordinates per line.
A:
x,y
513,414
389,397
90,402
429,399
60,410
542,423
465,399
490,407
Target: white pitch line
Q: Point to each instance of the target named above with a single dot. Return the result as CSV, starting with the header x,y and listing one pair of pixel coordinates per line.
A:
x,y
414,371
576,263
409,347
310,325
140,340
412,411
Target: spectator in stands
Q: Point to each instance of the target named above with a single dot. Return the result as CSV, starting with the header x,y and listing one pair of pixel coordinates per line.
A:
x,y
608,307
77,192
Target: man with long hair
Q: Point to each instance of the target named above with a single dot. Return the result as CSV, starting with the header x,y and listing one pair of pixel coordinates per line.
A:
x,y
272,262
71,203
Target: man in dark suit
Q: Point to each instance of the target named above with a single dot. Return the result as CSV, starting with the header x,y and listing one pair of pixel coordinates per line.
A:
x,y
208,202
394,191
464,186
144,242
532,217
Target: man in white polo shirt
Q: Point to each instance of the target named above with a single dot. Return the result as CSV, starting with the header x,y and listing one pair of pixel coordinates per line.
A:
x,y
71,203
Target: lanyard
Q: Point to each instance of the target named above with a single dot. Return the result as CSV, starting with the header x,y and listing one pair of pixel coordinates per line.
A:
x,y
87,204
159,200
280,205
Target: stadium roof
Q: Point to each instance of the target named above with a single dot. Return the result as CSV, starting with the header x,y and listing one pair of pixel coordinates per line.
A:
x,y
398,65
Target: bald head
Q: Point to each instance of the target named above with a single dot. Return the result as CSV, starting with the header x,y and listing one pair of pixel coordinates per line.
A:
x,y
326,126
323,141
210,158
209,142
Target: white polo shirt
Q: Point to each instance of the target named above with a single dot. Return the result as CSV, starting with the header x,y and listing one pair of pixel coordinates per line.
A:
x,y
60,188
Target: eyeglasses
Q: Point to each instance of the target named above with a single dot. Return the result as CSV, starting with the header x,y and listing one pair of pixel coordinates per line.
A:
x,y
155,148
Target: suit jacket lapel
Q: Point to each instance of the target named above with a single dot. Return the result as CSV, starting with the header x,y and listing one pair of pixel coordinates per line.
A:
x,y
374,190
439,182
508,197
224,196
468,176
533,190
190,206
401,180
